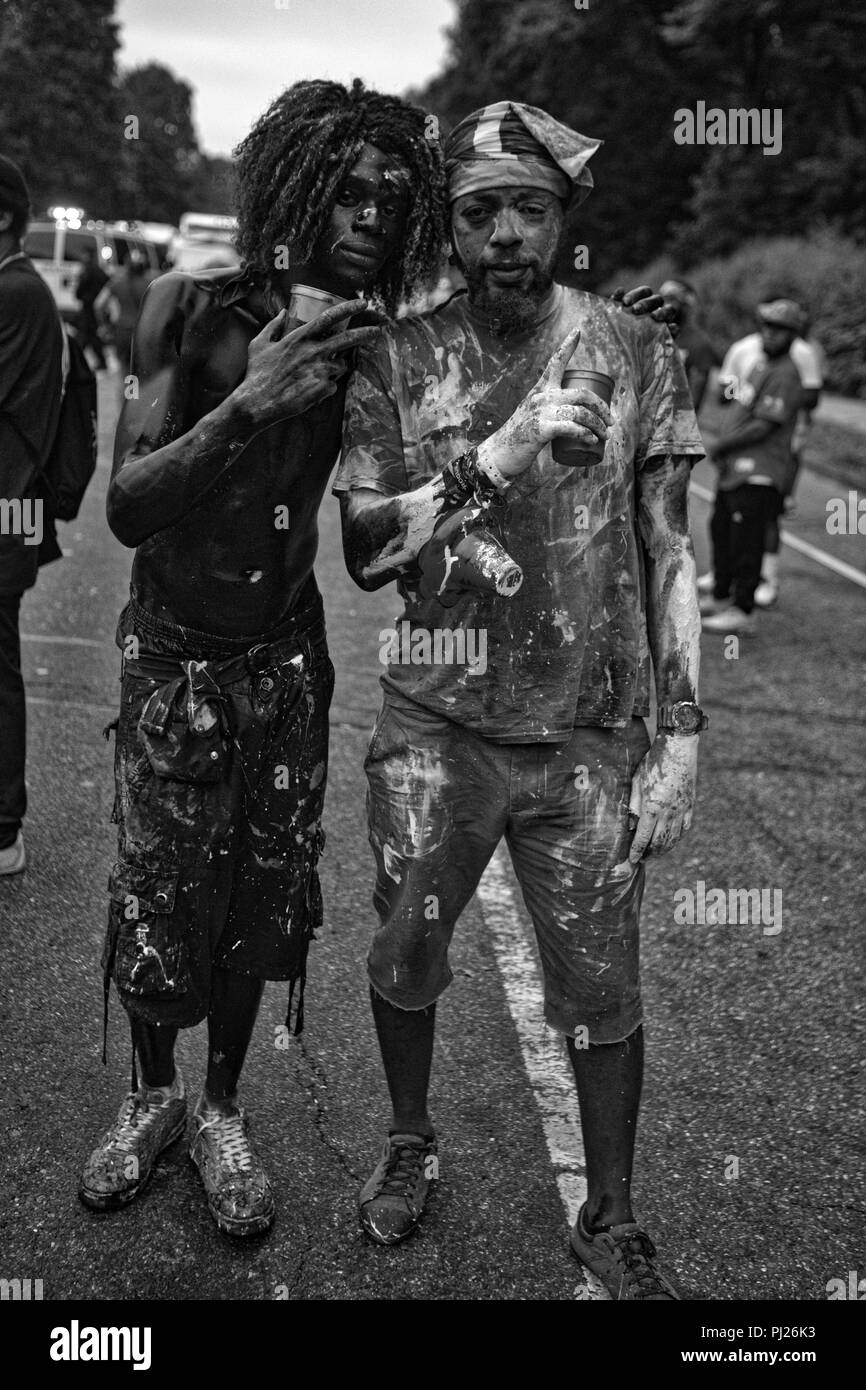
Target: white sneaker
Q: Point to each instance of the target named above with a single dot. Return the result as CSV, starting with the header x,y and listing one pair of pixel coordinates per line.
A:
x,y
707,606
729,620
706,582
13,859
766,594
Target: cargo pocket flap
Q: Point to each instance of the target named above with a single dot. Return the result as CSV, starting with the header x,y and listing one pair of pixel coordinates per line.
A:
x,y
154,889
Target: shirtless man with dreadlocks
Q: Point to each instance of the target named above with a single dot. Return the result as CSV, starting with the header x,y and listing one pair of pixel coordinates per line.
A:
x,y
220,464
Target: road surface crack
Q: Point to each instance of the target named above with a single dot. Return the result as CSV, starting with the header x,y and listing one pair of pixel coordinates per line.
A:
x,y
315,1083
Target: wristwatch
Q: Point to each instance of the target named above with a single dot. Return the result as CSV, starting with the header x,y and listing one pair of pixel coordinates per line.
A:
x,y
685,717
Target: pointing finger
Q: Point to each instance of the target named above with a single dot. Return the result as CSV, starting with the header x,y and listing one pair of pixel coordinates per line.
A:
x,y
552,373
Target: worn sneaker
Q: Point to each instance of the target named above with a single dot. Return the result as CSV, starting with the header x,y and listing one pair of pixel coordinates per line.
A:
x,y
238,1192
622,1258
729,620
121,1167
391,1203
13,859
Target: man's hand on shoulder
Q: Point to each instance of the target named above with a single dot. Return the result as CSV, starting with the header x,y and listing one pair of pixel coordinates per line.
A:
x,y
663,794
643,300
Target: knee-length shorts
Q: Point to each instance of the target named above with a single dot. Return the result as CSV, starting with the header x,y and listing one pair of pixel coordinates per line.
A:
x,y
441,797
220,772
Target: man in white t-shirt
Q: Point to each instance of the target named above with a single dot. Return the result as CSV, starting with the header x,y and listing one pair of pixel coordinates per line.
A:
x,y
741,357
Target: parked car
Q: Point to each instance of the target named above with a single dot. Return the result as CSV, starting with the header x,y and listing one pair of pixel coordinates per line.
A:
x,y
205,241
57,249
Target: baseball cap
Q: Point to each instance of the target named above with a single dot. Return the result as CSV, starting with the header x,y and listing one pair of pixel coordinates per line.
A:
x,y
782,313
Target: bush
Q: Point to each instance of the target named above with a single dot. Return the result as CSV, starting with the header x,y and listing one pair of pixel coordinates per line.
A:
x,y
826,273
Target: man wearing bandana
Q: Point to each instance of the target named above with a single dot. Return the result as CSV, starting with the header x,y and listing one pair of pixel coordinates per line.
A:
x,y
449,424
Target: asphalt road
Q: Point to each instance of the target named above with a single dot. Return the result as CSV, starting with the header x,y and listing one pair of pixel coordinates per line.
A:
x,y
754,1041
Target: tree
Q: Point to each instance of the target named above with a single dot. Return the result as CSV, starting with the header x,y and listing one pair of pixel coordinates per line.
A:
x,y
803,58
59,116
607,72
161,158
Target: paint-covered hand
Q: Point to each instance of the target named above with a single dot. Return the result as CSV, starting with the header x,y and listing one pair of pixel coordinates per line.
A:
x,y
287,373
463,554
643,300
546,413
663,795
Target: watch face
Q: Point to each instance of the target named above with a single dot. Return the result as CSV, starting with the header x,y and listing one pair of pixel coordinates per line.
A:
x,y
686,719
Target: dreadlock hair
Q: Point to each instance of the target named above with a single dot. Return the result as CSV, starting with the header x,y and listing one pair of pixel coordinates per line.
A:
x,y
292,163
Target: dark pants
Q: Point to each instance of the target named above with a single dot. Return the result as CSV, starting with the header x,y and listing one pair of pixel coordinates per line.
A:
x,y
88,333
13,737
737,531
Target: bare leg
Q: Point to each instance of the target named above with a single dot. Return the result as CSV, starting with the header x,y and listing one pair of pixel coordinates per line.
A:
x,y
406,1042
609,1080
154,1048
234,1006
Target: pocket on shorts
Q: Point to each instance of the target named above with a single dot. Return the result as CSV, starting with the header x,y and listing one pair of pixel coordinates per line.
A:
x,y
150,955
177,752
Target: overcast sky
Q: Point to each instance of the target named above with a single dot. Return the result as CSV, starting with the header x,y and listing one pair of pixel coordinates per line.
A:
x,y
239,54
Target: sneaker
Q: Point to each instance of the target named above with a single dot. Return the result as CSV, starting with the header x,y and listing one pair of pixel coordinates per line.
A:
x,y
706,582
13,859
238,1192
391,1203
729,620
710,605
766,594
622,1258
121,1167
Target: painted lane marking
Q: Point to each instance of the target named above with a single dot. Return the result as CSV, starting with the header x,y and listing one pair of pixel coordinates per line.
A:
x,y
543,1051
810,551
69,641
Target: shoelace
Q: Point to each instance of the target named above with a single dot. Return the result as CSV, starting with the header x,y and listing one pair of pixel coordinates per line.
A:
x,y
137,1115
404,1168
637,1251
233,1150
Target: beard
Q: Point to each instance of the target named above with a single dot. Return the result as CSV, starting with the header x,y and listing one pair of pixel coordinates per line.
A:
x,y
508,311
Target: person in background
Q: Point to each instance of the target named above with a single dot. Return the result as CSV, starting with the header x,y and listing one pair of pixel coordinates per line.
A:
x,y
122,298
808,358
31,382
755,470
695,348
91,282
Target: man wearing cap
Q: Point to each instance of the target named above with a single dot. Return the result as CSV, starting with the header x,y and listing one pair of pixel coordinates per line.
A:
x,y
31,353
452,414
740,358
695,348
755,470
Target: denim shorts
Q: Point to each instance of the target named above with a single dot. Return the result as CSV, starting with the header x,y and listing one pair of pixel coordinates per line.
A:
x,y
440,798
218,811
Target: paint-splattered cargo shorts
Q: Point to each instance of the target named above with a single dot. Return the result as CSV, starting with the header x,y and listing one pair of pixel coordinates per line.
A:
x,y
220,777
439,800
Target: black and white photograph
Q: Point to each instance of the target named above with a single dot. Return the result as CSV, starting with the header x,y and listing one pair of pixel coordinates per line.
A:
x,y
432,669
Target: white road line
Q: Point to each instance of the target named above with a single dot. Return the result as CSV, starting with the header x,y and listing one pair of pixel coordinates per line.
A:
x,y
72,704
69,641
544,1055
811,551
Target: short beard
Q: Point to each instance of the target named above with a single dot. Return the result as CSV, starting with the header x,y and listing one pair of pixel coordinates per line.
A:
x,y
508,311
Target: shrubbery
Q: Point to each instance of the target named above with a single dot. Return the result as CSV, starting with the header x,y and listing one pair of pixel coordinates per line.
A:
x,y
826,273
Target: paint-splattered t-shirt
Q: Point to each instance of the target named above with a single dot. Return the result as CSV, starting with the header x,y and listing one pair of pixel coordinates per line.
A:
x,y
570,647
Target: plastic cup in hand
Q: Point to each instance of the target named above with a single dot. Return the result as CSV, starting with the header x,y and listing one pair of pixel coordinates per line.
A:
x,y
307,303
568,451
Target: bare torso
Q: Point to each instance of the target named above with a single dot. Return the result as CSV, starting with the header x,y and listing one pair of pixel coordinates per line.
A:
x,y
235,562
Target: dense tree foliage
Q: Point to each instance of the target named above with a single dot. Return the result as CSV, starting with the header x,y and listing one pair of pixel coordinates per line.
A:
x,y
621,69
118,145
